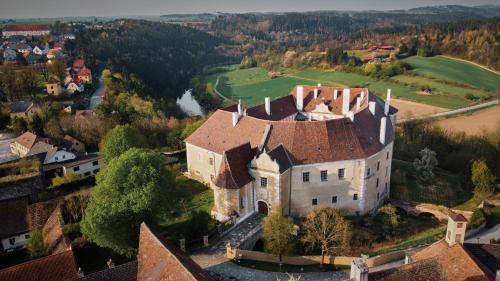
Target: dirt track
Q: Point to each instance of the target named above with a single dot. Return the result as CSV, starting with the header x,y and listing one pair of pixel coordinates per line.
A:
x,y
414,109
474,124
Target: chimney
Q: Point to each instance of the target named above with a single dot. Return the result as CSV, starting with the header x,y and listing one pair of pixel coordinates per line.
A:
x,y
387,102
362,94
358,103
268,105
350,114
235,118
315,93
386,108
359,270
335,94
388,95
319,85
372,106
240,109
346,97
383,126
455,231
300,98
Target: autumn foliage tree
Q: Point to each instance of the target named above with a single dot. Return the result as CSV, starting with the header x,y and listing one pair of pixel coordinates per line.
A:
x,y
277,233
482,178
327,230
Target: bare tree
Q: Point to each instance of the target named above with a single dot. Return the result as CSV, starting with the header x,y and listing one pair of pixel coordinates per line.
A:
x,y
327,230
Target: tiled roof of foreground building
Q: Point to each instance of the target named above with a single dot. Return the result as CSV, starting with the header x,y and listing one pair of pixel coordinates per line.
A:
x,y
304,142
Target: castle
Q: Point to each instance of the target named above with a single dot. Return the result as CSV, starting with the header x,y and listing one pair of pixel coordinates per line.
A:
x,y
318,146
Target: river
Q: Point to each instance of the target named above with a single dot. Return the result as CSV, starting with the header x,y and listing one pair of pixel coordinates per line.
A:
x,y
189,105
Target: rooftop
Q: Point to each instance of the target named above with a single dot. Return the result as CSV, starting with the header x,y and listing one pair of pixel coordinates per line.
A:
x,y
26,27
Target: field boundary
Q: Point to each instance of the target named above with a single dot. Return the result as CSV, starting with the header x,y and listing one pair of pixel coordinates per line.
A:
x,y
451,112
217,91
471,62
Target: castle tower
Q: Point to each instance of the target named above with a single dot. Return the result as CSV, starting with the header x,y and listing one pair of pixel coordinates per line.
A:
x,y
455,232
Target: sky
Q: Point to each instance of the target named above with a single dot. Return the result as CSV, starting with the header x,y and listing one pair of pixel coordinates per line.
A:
x,y
59,8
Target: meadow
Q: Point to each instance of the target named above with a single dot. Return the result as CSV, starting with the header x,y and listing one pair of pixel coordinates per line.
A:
x,y
444,76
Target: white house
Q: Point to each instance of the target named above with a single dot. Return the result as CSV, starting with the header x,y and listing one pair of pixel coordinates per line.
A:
x,y
74,87
85,166
29,144
38,51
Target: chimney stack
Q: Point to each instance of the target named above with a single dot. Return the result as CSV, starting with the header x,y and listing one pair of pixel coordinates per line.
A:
x,y
362,94
319,85
300,98
350,114
235,118
389,95
268,105
387,102
386,108
358,103
315,93
335,94
383,127
359,270
346,97
240,109
372,106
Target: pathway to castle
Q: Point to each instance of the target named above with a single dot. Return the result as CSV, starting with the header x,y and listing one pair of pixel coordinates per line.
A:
x,y
212,258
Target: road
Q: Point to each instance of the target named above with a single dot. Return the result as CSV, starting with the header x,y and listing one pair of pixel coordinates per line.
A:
x,y
484,237
98,94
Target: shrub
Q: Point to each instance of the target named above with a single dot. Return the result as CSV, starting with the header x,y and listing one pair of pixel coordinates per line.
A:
x,y
57,181
36,246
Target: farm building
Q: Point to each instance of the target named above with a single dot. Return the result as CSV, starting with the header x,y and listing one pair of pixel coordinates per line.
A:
x,y
27,30
318,146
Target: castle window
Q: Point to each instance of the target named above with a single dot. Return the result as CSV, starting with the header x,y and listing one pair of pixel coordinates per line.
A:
x,y
368,172
324,175
305,177
387,157
241,203
449,234
460,224
378,165
211,160
263,182
314,201
334,199
355,196
341,173
376,185
212,177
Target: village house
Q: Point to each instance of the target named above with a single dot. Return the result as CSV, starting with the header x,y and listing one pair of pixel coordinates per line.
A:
x,y
38,51
29,144
73,87
85,166
78,64
447,259
9,55
22,109
23,48
31,58
68,36
84,75
318,146
27,30
73,145
14,232
54,87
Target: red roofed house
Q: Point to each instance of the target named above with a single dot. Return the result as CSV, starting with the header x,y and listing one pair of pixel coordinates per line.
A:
x,y
78,64
27,30
318,146
54,87
61,267
84,75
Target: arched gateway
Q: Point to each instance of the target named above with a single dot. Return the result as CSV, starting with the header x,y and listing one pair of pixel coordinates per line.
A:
x,y
262,207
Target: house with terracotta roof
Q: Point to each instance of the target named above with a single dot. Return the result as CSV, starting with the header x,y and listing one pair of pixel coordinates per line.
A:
x,y
26,30
318,146
29,144
78,64
14,230
446,260
61,267
54,87
84,75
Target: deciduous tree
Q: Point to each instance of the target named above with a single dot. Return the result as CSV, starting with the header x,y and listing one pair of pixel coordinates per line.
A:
x,y
120,139
277,233
132,188
327,230
482,178
425,164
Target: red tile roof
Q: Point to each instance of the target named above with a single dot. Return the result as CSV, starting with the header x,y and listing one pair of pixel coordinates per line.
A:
x,y
160,260
456,263
27,139
60,267
457,217
428,270
26,27
84,72
306,142
233,172
78,63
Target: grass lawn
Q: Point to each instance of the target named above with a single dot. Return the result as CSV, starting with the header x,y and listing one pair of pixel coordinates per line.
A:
x,y
445,189
192,197
447,69
494,218
420,239
253,84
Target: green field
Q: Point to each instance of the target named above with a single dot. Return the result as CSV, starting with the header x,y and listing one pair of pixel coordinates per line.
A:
x,y
447,69
253,85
